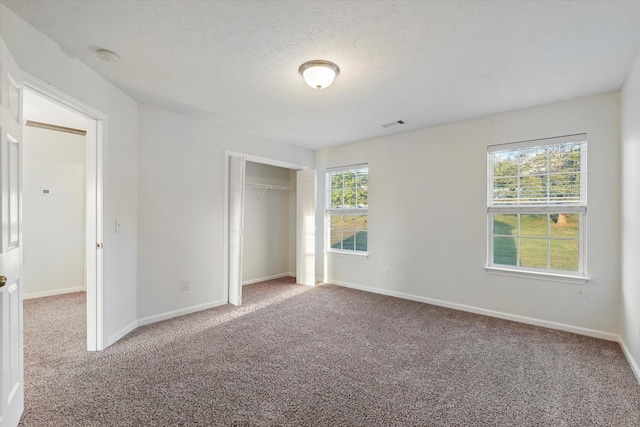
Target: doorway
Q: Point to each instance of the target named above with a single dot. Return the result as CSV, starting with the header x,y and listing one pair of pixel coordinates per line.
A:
x,y
53,189
63,173
301,181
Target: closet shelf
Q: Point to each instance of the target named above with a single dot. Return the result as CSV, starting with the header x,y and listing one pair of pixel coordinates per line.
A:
x,y
265,188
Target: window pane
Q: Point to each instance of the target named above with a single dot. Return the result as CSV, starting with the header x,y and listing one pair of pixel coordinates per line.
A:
x,y
533,252
534,225
565,225
505,225
336,239
565,187
362,177
505,250
336,198
534,161
363,198
565,255
348,232
505,190
348,243
505,164
537,175
336,181
533,189
336,231
361,240
564,157
361,222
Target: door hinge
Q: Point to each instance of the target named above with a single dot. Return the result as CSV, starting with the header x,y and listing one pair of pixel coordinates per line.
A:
x,y
99,245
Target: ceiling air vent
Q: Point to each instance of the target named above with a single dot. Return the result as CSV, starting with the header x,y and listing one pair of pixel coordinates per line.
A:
x,y
396,123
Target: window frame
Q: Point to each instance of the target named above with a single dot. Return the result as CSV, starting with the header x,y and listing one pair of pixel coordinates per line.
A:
x,y
355,211
548,208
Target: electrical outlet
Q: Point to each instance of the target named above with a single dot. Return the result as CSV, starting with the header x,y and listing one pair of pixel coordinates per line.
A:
x,y
186,285
387,271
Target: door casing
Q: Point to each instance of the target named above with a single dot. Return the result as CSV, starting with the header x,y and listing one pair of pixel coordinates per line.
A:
x,y
94,205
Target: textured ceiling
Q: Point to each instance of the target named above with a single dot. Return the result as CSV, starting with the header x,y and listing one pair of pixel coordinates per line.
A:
x,y
424,62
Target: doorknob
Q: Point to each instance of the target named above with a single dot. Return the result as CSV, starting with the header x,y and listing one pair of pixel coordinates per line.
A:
x,y
3,281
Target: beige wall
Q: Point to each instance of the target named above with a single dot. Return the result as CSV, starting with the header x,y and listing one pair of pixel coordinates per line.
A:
x,y
53,225
267,218
428,223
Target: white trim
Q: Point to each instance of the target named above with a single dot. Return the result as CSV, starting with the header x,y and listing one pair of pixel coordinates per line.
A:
x,y
510,146
264,279
122,332
632,362
348,254
32,295
347,168
536,209
96,164
538,275
176,313
491,313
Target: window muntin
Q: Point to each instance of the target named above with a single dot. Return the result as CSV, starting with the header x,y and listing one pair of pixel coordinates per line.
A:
x,y
347,205
537,205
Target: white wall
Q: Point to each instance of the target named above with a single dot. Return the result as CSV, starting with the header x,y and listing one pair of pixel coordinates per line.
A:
x,y
180,207
40,56
427,217
266,224
53,225
630,291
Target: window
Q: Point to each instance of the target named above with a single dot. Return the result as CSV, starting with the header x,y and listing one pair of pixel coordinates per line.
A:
x,y
347,208
537,204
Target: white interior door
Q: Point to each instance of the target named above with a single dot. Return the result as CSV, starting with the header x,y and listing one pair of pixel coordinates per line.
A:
x,y
11,355
236,210
306,227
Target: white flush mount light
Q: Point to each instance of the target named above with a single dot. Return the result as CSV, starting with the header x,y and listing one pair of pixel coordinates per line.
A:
x,y
319,74
107,56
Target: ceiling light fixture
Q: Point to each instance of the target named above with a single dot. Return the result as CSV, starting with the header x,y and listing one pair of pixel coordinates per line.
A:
x,y
107,56
319,74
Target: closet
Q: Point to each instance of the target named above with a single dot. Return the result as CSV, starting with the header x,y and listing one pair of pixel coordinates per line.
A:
x,y
269,243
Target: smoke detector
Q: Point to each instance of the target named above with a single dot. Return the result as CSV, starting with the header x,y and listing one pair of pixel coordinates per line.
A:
x,y
107,56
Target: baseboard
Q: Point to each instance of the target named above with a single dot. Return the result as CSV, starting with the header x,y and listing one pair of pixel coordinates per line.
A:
x,y
181,312
121,333
263,279
632,362
32,295
491,313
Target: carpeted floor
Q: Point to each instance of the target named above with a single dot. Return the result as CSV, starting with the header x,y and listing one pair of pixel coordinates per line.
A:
x,y
324,356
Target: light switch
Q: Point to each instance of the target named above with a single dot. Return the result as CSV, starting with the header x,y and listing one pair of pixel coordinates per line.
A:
x,y
118,226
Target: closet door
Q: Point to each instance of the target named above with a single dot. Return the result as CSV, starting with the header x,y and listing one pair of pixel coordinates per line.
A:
x,y
306,227
236,213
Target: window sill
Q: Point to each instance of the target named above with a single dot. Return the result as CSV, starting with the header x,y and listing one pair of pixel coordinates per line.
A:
x,y
538,275
348,254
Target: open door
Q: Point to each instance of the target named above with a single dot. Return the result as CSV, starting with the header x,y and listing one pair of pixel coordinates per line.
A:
x,y
11,354
236,210
306,227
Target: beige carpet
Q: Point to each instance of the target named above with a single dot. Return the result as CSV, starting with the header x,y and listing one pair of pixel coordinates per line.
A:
x,y
324,356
